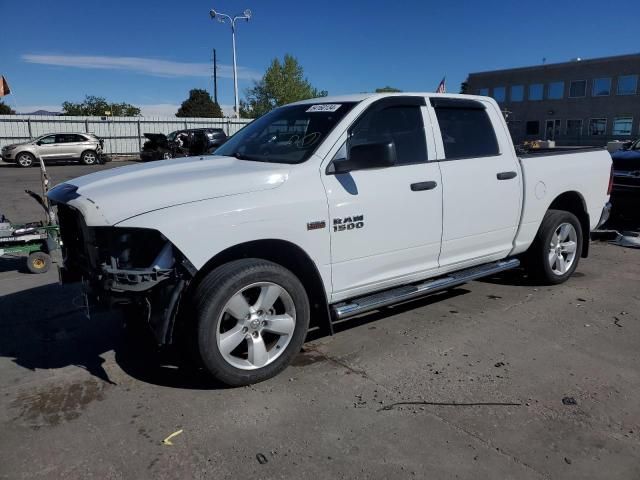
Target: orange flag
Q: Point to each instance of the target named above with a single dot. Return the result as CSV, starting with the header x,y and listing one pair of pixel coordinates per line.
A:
x,y
4,86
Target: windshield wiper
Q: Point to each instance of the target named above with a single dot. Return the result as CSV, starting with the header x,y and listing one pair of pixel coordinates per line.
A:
x,y
242,156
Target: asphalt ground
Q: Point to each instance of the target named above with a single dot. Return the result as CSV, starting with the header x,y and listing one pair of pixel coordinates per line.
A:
x,y
497,379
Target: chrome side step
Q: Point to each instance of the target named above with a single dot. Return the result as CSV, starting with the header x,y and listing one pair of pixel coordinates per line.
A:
x,y
375,301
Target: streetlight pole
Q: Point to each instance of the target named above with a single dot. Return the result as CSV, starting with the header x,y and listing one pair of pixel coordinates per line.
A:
x,y
223,18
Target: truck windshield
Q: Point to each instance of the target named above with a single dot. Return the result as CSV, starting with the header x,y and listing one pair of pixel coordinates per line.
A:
x,y
287,134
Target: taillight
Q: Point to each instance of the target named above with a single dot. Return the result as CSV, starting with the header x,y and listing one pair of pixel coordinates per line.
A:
x,y
610,181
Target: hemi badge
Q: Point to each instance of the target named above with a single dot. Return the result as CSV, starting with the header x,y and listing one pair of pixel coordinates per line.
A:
x,y
316,225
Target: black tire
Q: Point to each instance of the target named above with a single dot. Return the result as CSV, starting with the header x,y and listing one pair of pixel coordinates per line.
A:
x,y
166,155
89,157
210,299
38,262
25,159
538,257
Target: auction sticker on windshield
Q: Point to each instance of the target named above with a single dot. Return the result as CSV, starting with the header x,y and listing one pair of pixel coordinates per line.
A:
x,y
325,107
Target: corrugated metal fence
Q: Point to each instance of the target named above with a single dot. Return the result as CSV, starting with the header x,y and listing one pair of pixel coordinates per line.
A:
x,y
122,135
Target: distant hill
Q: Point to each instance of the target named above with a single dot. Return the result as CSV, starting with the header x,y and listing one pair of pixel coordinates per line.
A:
x,y
43,112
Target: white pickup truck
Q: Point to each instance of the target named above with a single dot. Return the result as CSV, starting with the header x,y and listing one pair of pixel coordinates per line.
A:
x,y
322,210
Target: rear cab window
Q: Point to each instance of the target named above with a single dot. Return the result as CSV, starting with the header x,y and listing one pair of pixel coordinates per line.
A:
x,y
466,129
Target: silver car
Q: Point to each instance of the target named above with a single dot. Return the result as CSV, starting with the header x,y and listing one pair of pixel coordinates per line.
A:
x,y
85,147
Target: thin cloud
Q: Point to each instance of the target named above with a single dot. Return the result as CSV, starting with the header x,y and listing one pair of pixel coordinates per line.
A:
x,y
147,66
170,109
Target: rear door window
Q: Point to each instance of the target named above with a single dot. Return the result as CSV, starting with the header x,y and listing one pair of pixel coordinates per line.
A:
x,y
466,130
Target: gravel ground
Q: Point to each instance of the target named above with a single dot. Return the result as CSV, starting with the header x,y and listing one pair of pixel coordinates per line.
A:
x,y
496,379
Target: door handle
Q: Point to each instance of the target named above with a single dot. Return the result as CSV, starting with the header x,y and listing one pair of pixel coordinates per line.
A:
x,y
506,175
416,187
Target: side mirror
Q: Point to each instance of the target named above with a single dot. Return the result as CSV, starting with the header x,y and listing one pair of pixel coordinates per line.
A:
x,y
38,143
365,157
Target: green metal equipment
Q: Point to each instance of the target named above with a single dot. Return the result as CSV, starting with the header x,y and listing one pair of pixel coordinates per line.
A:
x,y
38,241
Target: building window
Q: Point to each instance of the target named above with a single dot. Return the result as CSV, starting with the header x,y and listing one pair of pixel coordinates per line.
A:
x,y
515,128
535,91
574,128
483,92
622,126
499,94
578,88
601,87
627,85
517,93
598,126
555,90
533,127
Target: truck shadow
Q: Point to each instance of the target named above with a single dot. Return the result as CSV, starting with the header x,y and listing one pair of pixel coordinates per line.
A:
x,y
47,328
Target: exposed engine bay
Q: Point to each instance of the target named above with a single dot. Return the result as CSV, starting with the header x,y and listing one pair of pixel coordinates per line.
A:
x,y
125,267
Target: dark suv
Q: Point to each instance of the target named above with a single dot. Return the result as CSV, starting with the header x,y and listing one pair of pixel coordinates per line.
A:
x,y
626,174
182,143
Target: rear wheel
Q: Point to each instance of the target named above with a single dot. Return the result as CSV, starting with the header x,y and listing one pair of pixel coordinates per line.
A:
x,y
167,155
253,317
89,157
555,252
25,159
38,262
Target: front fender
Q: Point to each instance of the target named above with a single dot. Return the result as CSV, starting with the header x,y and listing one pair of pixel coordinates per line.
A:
x,y
203,229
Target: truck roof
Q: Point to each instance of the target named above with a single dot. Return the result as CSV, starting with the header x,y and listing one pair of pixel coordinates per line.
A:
x,y
358,97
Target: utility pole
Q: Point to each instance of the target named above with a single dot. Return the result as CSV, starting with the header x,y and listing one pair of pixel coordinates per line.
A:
x,y
215,76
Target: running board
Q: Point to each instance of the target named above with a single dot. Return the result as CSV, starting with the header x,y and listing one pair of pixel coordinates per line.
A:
x,y
361,305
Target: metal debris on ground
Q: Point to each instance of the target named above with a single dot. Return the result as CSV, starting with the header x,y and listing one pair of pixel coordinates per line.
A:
x,y
623,239
569,401
261,459
167,441
451,404
499,364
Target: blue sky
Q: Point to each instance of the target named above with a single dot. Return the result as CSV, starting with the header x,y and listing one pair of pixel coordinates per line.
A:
x,y
150,53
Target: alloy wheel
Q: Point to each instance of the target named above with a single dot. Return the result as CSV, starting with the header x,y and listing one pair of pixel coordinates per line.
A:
x,y
256,325
25,160
563,248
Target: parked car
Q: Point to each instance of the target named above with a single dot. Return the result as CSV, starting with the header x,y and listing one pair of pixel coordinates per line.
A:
x,y
322,210
182,143
626,174
85,147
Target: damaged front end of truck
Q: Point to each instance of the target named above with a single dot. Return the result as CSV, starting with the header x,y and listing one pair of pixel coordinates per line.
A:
x,y
134,268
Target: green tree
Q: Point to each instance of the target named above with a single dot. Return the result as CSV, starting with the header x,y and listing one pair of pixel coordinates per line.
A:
x,y
387,89
464,86
93,106
199,104
283,82
6,109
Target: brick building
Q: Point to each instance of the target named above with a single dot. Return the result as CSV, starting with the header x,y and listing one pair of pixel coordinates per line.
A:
x,y
581,102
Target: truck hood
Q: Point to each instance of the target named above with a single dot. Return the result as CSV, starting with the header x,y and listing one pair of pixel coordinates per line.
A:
x,y
111,196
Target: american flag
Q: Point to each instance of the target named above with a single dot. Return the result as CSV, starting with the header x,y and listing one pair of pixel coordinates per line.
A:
x,y
442,88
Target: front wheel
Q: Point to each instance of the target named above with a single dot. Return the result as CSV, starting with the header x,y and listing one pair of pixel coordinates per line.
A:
x,y
25,159
252,318
555,252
